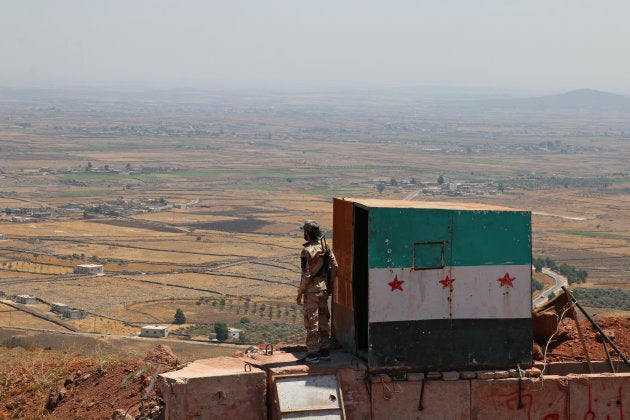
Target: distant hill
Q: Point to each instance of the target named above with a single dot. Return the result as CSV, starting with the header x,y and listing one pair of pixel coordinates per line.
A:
x,y
575,100
583,99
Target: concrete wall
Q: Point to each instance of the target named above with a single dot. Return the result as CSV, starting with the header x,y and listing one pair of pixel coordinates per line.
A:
x,y
597,396
221,388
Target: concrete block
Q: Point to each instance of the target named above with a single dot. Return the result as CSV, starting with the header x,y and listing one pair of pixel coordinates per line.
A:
x,y
499,399
441,400
501,374
603,396
215,388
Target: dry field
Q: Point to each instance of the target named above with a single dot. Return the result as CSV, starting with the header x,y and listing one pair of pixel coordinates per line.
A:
x,y
247,174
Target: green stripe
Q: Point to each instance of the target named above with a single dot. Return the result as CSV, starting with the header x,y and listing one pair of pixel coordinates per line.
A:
x,y
467,237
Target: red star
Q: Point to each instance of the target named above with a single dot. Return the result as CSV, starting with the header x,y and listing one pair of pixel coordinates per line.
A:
x,y
447,282
506,280
396,284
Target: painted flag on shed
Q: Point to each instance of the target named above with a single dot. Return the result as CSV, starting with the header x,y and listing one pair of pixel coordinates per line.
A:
x,y
445,278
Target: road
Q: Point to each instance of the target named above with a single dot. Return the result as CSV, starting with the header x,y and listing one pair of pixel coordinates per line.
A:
x,y
560,281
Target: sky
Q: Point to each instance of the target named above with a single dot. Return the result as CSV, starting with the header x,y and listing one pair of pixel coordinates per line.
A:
x,y
539,45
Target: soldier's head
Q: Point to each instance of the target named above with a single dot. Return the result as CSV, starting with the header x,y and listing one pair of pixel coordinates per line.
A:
x,y
311,230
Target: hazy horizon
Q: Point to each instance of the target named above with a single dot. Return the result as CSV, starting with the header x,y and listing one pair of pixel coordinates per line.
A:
x,y
534,47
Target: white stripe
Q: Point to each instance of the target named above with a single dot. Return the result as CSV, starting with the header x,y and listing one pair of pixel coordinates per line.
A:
x,y
477,293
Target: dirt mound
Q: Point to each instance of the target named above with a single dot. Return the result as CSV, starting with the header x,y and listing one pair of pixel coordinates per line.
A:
x,y
566,345
61,388
162,355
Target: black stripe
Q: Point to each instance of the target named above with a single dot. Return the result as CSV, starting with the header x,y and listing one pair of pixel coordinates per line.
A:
x,y
445,344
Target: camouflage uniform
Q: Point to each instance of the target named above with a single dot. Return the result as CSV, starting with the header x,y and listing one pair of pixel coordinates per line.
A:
x,y
313,289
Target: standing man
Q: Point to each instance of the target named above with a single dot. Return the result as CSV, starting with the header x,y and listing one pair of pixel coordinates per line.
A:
x,y
319,269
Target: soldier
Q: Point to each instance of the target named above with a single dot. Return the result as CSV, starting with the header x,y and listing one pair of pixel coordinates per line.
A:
x,y
319,269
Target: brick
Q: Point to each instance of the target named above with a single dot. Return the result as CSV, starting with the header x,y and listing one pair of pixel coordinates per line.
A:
x,y
450,376
415,376
533,372
468,375
434,375
501,374
485,374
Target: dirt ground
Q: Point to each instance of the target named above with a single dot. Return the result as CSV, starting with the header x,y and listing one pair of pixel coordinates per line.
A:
x,y
567,346
57,387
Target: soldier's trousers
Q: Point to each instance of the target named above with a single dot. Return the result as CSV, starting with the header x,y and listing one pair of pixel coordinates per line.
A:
x,y
316,321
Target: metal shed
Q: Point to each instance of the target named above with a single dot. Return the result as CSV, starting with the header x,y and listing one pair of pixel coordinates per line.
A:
x,y
432,285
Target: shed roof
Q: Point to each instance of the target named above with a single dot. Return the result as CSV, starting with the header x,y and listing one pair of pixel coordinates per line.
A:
x,y
447,205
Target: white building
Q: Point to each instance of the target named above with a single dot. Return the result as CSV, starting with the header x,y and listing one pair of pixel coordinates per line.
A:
x,y
89,269
234,333
67,312
153,331
59,308
74,314
26,299
2,237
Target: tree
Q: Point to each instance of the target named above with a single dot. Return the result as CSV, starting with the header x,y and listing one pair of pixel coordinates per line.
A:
x,y
380,187
180,318
221,330
440,180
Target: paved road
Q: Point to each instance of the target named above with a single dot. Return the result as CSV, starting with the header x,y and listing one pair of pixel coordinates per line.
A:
x,y
560,281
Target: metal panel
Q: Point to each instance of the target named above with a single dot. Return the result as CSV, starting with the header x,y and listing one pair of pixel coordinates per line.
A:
x,y
470,237
309,397
450,344
342,316
428,255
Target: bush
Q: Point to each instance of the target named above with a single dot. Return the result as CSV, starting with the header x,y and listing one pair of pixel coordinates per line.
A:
x,y
221,330
180,318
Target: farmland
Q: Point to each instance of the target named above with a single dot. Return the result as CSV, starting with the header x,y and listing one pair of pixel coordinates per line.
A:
x,y
194,200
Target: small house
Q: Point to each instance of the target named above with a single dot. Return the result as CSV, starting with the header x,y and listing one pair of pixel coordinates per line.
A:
x,y
59,308
153,331
89,269
74,314
234,333
26,299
